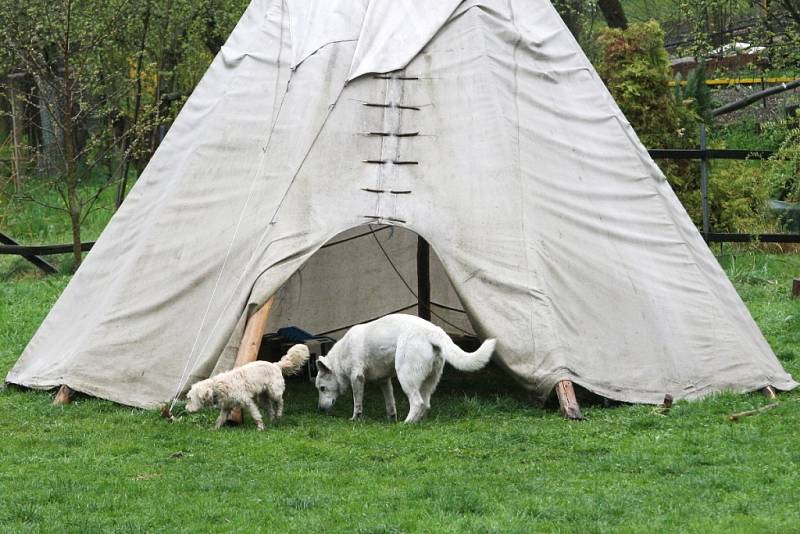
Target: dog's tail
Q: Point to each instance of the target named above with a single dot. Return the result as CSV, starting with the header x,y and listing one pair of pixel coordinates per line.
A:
x,y
467,361
293,360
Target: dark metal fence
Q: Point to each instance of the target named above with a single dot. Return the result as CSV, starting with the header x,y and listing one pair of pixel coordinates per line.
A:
x,y
705,155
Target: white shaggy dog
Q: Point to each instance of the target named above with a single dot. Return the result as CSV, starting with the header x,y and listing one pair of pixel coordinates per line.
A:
x,y
412,348
241,387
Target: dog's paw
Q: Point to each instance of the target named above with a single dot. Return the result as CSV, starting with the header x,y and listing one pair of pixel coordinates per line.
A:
x,y
260,428
357,417
392,417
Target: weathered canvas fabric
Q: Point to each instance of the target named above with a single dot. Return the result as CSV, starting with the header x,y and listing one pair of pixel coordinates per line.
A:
x,y
479,125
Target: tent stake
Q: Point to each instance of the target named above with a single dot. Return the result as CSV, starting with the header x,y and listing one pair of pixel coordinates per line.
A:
x,y
248,349
64,396
567,401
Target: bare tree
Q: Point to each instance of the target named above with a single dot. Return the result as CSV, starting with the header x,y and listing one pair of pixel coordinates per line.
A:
x,y
72,55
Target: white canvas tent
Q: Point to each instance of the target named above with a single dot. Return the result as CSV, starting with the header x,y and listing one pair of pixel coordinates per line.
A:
x,y
479,125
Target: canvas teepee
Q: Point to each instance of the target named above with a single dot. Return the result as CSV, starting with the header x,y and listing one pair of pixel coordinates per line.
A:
x,y
477,124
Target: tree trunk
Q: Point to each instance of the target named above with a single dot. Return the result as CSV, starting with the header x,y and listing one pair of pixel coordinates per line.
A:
x,y
123,184
211,37
70,147
75,221
51,133
613,13
570,11
17,130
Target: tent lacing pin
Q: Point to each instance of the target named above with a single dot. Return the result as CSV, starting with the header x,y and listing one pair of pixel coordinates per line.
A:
x,y
387,77
400,162
375,161
382,191
389,134
399,106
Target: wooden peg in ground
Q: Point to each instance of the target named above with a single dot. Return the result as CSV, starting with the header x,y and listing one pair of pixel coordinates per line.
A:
x,y
64,396
740,415
567,402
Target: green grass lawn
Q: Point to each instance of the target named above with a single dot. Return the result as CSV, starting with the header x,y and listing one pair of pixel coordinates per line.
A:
x,y
485,461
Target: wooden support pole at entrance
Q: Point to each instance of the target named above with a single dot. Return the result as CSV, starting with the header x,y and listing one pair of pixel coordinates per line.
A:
x,y
567,401
248,349
423,279
769,392
64,396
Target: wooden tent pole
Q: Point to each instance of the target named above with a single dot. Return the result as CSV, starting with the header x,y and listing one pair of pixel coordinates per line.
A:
x,y
64,396
769,392
567,401
249,347
423,279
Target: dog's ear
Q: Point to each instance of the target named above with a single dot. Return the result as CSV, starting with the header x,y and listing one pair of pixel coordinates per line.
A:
x,y
322,364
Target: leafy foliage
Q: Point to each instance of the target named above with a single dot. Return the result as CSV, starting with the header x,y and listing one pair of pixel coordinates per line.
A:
x,y
698,92
635,66
786,167
739,193
100,84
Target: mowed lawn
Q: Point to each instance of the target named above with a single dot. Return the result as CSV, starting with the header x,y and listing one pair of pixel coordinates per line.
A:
x,y
486,460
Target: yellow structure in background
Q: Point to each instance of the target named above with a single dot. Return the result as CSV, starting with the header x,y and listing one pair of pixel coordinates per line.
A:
x,y
745,81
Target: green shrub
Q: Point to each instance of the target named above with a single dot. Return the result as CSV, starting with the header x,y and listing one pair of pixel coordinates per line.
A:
x,y
739,193
698,93
785,168
635,67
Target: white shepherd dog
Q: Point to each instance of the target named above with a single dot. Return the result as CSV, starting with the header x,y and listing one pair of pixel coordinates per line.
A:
x,y
412,348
